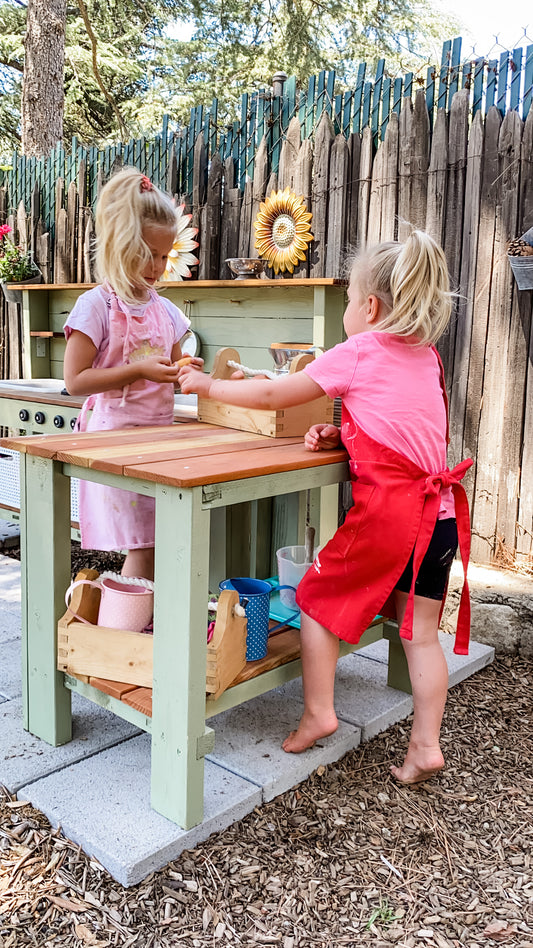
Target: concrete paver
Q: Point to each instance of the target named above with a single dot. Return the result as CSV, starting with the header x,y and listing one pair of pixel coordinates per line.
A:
x,y
25,758
249,737
103,804
10,678
362,697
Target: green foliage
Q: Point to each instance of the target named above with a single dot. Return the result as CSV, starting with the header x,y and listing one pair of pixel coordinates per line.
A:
x,y
382,915
235,46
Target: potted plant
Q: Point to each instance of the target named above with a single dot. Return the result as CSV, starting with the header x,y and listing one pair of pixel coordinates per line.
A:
x,y
16,266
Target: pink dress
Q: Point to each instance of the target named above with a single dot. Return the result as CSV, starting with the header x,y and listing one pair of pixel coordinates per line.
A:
x,y
110,518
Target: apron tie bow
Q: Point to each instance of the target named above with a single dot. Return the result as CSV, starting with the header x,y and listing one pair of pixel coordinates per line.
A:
x,y
433,485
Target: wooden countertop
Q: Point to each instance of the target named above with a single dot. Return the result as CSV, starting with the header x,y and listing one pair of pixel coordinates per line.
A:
x,y
44,398
180,456
182,284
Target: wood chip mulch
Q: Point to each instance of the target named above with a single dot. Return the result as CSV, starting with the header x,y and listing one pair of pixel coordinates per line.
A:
x,y
346,858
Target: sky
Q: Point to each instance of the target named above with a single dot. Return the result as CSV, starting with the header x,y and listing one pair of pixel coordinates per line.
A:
x,y
486,19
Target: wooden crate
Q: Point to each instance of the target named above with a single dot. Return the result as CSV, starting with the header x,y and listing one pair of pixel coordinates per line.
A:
x,y
121,658
283,423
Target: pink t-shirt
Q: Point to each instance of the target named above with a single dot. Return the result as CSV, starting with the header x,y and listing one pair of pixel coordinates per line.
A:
x,y
392,390
90,315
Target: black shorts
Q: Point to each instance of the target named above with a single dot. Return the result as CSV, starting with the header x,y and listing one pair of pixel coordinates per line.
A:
x,y
435,567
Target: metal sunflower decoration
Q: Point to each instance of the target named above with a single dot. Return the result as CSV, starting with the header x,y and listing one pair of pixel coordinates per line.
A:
x,y
282,230
180,257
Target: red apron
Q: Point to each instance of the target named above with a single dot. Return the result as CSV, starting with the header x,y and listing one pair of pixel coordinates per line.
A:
x,y
396,505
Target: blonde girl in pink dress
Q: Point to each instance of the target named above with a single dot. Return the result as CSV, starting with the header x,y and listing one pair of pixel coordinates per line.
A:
x,y
123,343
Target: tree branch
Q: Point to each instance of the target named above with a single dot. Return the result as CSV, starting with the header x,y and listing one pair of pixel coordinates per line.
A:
x,y
94,45
12,65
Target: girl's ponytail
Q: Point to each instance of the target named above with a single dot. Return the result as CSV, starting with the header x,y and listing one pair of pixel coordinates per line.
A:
x,y
420,289
412,281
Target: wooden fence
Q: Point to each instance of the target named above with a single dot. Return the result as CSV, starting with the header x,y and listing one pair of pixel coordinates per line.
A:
x,y
469,182
265,115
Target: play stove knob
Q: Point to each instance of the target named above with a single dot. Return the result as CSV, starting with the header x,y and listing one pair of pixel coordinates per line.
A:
x,y
73,423
24,414
59,421
40,417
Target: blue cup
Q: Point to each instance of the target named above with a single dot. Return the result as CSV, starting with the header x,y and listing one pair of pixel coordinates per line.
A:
x,y
254,595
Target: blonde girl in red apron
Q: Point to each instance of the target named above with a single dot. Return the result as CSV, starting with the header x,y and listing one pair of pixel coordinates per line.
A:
x,y
123,342
393,553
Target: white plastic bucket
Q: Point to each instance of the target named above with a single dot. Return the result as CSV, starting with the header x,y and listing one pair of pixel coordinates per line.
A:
x,y
291,569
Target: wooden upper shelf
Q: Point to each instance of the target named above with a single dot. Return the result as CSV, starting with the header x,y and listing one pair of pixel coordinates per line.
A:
x,y
182,284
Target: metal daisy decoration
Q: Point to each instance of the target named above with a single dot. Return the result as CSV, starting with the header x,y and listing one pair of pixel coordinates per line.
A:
x,y
282,230
180,257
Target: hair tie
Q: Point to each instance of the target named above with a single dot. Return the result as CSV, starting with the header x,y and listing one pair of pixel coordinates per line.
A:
x,y
146,184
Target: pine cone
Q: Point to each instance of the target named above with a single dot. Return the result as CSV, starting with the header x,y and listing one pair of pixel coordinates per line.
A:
x,y
519,248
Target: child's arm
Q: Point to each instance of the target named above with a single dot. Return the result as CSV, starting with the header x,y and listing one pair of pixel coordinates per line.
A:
x,y
82,379
252,393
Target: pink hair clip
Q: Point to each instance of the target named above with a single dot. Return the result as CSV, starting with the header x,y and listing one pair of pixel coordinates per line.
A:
x,y
146,184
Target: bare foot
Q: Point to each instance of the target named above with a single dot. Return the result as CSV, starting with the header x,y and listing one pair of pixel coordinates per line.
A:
x,y
310,730
418,765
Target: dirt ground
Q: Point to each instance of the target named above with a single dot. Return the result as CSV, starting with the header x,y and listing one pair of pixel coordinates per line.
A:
x,y
346,858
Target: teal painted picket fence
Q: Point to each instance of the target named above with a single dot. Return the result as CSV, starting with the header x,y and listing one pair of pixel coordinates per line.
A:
x,y
168,157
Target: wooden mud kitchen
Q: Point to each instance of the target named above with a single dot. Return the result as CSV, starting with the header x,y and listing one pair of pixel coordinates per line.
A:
x,y
198,473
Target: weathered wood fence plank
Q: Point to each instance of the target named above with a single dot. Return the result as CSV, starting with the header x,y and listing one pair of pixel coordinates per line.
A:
x,y
320,192
491,423
524,539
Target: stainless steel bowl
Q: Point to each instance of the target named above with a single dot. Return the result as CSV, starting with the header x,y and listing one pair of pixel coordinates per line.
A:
x,y
245,268
284,353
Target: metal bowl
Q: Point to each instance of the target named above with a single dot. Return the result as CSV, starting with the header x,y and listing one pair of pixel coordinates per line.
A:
x,y
245,268
284,352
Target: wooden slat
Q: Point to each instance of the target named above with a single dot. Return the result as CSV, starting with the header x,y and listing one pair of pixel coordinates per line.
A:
x,y
140,699
511,405
47,446
320,192
524,539
230,467
336,228
491,433
354,145
455,200
480,304
114,461
258,190
437,178
282,648
365,181
463,341
200,284
117,689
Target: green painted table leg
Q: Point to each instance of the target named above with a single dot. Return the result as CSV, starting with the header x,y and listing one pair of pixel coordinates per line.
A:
x,y
398,674
45,554
180,631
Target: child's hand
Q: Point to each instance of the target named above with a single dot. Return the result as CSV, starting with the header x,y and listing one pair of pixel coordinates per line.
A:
x,y
158,369
195,361
193,381
322,438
